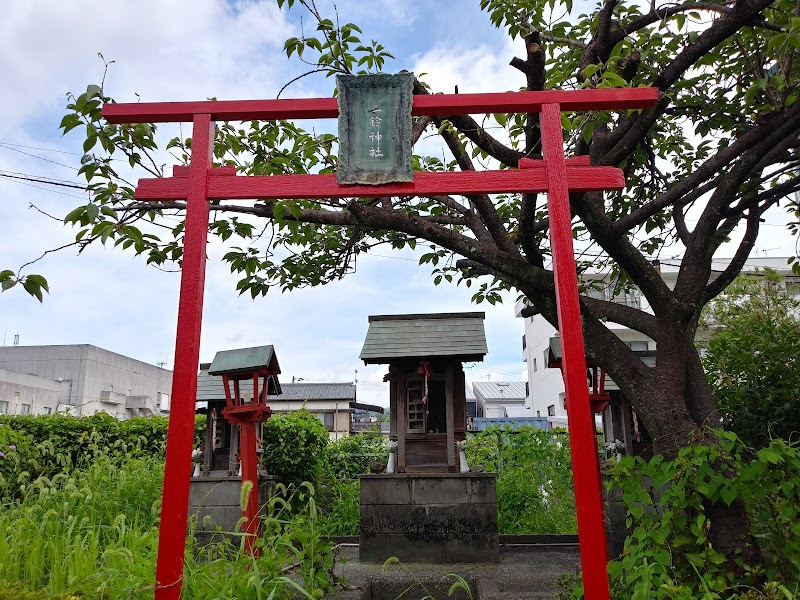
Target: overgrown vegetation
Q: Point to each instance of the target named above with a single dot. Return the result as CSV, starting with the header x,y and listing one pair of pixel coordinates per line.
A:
x,y
669,553
534,483
347,458
294,447
81,504
46,445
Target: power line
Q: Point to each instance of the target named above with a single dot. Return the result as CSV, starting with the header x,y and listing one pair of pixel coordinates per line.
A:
x,y
37,156
52,191
3,143
41,179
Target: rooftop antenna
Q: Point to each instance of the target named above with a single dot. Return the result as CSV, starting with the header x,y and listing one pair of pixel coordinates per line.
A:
x,y
355,380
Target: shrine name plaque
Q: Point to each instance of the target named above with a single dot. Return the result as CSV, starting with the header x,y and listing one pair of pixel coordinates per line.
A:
x,y
374,128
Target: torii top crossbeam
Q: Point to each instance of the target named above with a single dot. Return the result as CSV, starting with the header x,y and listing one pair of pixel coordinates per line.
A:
x,y
556,175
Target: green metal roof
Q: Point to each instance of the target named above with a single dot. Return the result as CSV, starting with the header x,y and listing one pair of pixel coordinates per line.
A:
x,y
453,335
244,359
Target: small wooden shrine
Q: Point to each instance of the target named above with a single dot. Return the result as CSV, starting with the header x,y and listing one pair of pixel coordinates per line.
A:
x,y
427,397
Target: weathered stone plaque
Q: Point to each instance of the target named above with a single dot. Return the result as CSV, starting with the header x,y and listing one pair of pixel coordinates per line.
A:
x,y
374,128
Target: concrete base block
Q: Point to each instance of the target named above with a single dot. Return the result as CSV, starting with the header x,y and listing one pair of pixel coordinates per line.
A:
x,y
215,505
436,517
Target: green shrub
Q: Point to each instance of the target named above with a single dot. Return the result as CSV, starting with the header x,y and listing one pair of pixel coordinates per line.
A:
x,y
294,447
669,552
351,456
17,455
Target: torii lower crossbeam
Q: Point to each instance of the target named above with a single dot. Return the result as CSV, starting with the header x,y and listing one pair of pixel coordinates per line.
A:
x,y
555,175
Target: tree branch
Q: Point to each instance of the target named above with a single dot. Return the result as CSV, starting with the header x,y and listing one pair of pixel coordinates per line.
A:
x,y
467,125
736,265
688,187
633,129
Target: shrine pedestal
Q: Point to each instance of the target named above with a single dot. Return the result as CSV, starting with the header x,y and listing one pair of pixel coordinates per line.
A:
x,y
431,517
215,503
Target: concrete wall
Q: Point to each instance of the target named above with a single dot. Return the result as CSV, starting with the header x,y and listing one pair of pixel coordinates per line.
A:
x,y
440,517
93,379
18,389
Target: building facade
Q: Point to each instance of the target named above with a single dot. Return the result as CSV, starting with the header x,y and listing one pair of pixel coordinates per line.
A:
x,y
81,379
23,394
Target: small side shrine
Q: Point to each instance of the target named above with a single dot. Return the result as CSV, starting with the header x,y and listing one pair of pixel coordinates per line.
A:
x,y
247,377
430,506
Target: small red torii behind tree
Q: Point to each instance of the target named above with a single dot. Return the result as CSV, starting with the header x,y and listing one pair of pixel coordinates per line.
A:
x,y
199,183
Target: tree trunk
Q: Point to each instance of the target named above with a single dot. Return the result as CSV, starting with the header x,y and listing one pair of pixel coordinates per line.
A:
x,y
677,411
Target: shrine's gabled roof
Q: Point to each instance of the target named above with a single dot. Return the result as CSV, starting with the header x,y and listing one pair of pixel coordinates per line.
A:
x,y
242,360
391,338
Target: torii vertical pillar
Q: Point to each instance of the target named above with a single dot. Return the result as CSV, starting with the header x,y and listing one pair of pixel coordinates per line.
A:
x,y
180,434
583,444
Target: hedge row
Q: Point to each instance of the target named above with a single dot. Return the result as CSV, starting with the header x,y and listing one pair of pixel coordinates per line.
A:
x,y
31,446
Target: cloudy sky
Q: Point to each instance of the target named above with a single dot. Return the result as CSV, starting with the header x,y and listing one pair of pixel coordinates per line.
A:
x,y
192,50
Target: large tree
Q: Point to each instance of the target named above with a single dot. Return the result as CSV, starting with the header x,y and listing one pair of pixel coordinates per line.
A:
x,y
720,145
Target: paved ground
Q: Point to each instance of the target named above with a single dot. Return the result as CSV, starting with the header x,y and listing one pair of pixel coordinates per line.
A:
x,y
523,572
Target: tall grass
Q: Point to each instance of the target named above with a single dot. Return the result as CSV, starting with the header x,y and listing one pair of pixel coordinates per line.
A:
x,y
93,534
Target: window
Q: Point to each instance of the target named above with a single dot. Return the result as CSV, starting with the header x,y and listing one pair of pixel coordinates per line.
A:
x,y
523,342
327,419
538,413
534,365
26,409
527,389
637,346
48,410
3,407
551,410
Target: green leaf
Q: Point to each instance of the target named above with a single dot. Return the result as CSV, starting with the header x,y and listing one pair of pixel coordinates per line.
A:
x,y
728,494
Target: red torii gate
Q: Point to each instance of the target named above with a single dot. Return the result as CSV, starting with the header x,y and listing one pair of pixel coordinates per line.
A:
x,y
556,175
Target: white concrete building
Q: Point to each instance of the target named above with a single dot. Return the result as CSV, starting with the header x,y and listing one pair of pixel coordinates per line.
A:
x,y
80,379
546,386
23,394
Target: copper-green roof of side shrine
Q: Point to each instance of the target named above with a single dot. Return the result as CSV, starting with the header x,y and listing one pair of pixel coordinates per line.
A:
x,y
242,360
391,338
